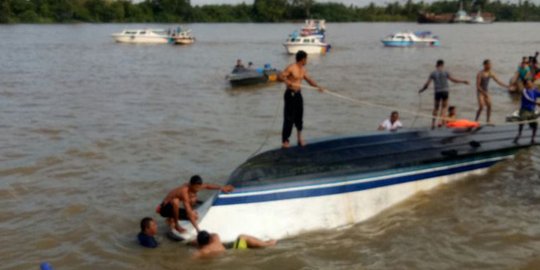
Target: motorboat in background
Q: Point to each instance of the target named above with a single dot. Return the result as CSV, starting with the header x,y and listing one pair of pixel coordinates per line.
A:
x,y
408,39
311,39
156,36
341,181
461,15
479,19
249,76
183,37
308,44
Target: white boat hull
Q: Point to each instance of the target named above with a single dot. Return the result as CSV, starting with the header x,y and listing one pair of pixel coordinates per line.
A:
x,y
141,39
283,218
309,49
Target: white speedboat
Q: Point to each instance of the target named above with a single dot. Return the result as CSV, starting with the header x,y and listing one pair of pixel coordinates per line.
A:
x,y
345,180
183,37
142,36
408,39
314,28
308,44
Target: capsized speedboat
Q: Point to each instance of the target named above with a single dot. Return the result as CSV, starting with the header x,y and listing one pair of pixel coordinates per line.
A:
x,y
408,39
142,36
345,180
250,76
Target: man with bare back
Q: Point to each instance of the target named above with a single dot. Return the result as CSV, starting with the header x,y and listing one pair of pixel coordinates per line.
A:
x,y
293,76
186,196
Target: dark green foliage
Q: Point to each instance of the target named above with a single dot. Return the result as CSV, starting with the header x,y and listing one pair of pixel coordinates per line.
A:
x,y
46,11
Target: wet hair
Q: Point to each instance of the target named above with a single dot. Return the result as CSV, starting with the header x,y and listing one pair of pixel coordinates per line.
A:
x,y
440,62
394,112
145,223
203,238
195,180
300,55
451,108
485,62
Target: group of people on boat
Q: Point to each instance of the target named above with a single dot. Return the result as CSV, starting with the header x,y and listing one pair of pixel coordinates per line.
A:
x,y
179,204
440,77
296,73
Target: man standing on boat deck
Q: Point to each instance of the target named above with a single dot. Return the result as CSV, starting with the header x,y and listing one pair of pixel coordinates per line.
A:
x,y
440,78
186,195
293,111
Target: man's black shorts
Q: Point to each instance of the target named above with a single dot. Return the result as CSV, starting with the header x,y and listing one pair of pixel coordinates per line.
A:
x,y
441,96
167,212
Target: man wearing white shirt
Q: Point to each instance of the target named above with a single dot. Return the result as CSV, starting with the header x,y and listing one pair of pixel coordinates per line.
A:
x,y
391,124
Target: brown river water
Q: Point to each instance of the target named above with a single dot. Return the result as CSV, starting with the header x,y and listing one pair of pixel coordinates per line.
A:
x,y
93,134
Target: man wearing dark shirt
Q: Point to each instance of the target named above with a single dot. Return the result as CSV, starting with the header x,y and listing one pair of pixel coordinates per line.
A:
x,y
148,230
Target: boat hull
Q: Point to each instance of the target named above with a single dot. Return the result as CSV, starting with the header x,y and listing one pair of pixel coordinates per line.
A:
x,y
389,43
340,182
141,40
329,207
309,49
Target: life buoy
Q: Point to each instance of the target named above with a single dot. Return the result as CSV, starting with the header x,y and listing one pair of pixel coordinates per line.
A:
x,y
462,123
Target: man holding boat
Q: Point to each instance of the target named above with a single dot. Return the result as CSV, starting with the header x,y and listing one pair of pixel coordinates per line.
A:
x,y
186,196
293,111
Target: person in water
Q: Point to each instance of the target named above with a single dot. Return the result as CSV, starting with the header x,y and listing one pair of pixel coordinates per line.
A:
x,y
452,113
148,230
482,83
440,79
527,111
293,113
209,244
392,123
186,196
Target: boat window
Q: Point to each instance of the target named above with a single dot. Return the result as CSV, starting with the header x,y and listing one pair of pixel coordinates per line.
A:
x,y
312,40
131,32
306,40
143,32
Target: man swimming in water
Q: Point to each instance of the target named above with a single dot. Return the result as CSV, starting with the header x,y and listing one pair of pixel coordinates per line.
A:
x,y
392,123
440,78
148,230
185,195
210,244
293,111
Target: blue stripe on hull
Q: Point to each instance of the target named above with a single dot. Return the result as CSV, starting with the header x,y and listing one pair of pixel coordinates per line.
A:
x,y
325,191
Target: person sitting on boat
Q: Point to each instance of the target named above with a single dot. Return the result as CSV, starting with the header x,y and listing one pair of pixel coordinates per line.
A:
x,y
186,196
527,111
209,244
453,122
148,230
482,83
440,79
392,123
239,66
250,65
293,76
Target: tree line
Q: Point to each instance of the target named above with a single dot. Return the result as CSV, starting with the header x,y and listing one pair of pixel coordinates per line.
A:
x,y
172,11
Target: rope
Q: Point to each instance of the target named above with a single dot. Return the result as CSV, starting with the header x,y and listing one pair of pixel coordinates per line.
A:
x,y
358,101
267,134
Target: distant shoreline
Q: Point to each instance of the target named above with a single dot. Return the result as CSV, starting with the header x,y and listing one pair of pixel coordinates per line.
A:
x,y
261,11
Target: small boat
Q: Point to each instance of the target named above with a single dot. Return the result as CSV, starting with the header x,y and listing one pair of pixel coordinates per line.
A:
x,y
479,19
428,17
249,76
341,181
408,39
183,37
308,44
461,16
142,36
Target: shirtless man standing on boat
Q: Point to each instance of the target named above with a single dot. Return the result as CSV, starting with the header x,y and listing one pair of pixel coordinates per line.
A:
x,y
186,195
293,113
440,78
